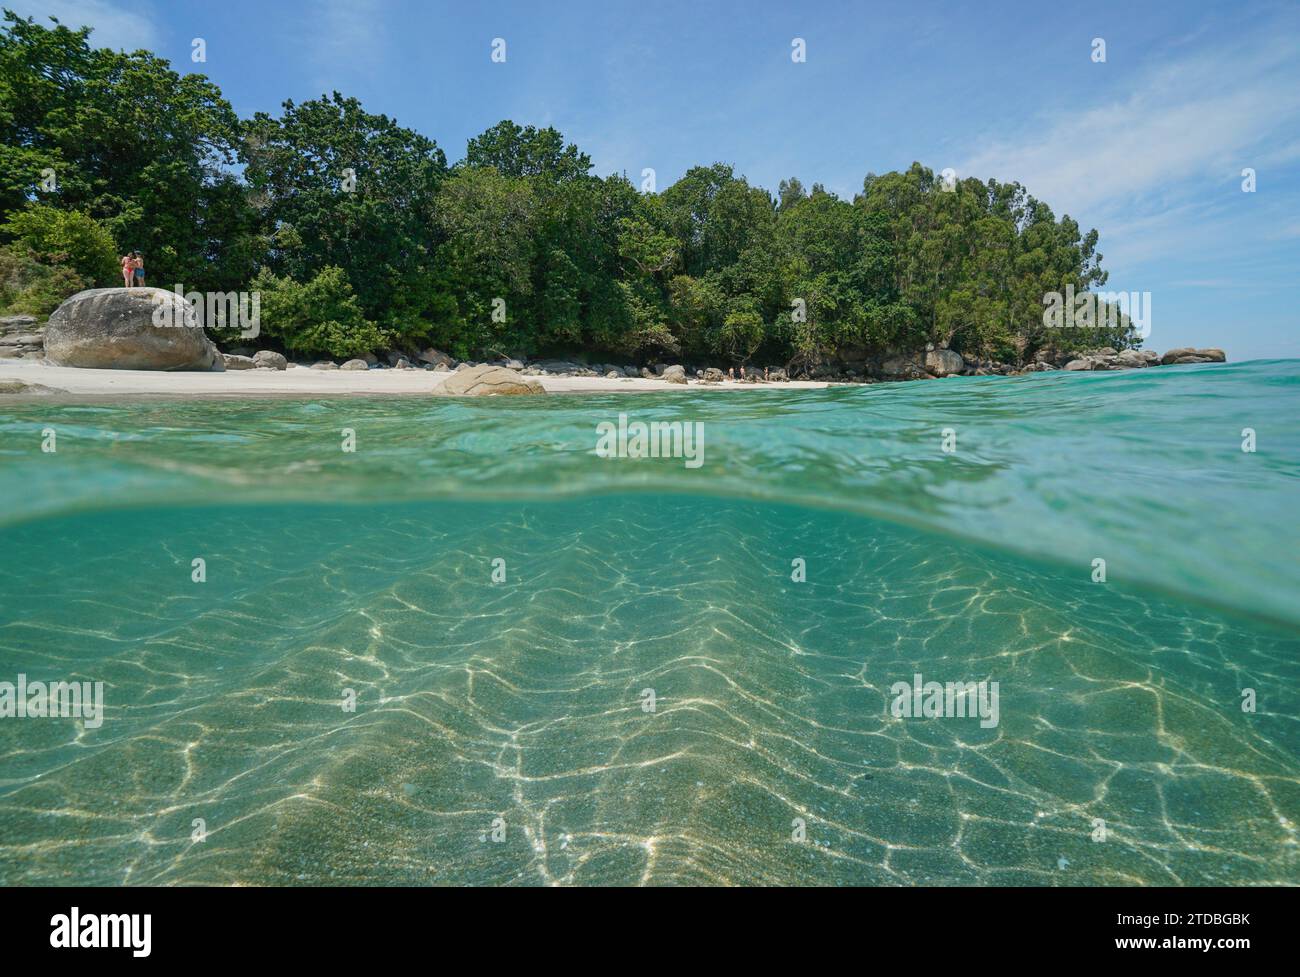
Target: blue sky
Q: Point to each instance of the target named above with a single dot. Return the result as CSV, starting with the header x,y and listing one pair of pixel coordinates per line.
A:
x,y
1147,147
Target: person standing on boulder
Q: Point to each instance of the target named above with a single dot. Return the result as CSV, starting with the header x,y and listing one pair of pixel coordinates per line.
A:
x,y
139,268
128,269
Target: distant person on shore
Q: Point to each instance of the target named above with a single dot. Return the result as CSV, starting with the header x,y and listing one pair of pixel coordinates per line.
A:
x,y
128,269
139,268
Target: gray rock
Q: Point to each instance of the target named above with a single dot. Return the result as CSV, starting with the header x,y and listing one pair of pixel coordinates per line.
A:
x,y
265,359
674,374
355,365
614,375
325,365
234,362
22,339
115,329
16,321
901,366
713,375
1179,355
441,368
647,373
436,357
943,362
1082,364
403,364
22,388
1131,359
487,381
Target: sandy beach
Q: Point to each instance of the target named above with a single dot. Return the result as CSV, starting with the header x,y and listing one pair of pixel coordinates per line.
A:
x,y
299,381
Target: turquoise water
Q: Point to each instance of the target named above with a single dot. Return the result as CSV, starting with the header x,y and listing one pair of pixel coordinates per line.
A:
x,y
518,710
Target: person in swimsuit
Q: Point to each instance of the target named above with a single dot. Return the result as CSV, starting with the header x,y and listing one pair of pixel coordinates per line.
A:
x,y
128,269
139,269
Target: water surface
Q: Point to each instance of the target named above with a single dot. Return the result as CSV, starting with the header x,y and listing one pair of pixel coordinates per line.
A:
x,y
525,700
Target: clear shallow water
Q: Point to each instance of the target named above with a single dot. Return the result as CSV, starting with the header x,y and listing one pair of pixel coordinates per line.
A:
x,y
522,700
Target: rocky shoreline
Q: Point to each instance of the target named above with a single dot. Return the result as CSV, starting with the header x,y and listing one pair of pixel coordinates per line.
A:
x,y
931,364
78,335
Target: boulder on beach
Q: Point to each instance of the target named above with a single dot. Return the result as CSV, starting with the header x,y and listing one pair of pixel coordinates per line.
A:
x,y
674,374
486,381
265,359
22,388
355,365
129,329
944,362
435,358
324,365
234,361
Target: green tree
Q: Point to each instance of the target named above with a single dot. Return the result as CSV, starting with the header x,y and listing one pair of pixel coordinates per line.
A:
x,y
321,316
126,140
66,237
340,187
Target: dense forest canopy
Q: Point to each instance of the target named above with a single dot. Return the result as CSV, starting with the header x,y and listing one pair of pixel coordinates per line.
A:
x,y
360,236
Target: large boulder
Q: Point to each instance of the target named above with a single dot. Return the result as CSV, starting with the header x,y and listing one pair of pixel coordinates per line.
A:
x,y
129,329
1132,359
22,388
487,380
944,362
234,361
902,365
674,374
267,359
355,365
435,357
1187,354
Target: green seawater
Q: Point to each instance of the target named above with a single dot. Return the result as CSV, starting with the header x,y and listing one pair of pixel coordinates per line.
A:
x,y
518,709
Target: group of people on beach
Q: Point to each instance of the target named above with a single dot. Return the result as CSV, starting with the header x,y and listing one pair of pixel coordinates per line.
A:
x,y
133,269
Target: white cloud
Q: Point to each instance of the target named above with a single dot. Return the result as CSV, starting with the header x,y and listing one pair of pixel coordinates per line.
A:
x,y
117,26
1193,119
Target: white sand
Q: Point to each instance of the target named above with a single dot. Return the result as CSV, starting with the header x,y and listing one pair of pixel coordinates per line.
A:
x,y
299,381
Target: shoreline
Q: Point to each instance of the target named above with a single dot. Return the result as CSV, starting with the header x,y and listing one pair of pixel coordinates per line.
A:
x,y
298,382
